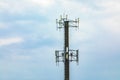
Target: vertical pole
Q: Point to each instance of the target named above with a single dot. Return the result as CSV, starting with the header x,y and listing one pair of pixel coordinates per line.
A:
x,y
66,50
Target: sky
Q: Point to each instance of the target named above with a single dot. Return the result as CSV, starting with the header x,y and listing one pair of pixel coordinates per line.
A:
x,y
29,38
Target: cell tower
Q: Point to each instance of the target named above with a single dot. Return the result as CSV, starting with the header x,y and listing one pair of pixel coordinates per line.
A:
x,y
66,55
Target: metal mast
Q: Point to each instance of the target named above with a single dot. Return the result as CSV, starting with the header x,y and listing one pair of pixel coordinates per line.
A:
x,y
67,55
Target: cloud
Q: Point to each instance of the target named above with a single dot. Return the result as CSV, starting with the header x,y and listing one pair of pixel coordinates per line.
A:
x,y
109,6
23,22
24,6
112,24
42,3
9,41
3,25
20,57
110,16
72,6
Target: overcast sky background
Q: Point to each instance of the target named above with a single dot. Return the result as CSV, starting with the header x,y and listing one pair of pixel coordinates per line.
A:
x,y
28,39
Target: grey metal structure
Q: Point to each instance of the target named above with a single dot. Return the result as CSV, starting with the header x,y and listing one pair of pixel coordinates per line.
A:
x,y
67,55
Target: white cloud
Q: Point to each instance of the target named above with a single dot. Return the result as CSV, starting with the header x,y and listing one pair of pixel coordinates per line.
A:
x,y
110,11
112,24
9,41
20,57
23,6
42,3
25,21
3,25
3,5
109,6
74,6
